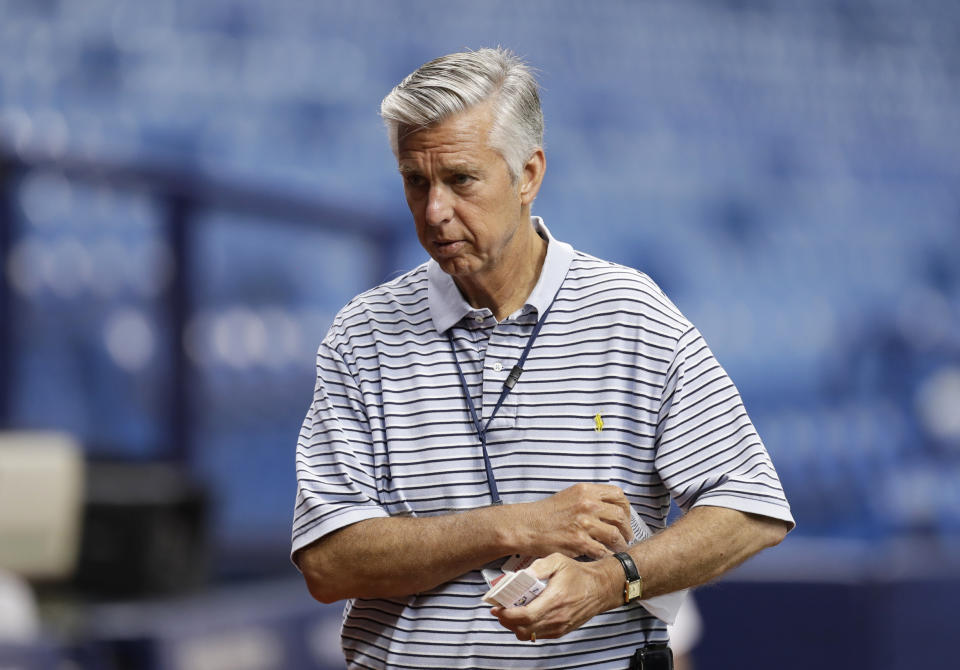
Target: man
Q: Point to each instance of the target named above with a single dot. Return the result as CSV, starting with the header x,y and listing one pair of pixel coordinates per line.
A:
x,y
513,396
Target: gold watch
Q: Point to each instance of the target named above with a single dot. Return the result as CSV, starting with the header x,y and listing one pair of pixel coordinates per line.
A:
x,y
633,586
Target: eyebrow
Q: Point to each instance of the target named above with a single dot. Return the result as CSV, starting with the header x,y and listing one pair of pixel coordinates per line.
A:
x,y
468,168
457,168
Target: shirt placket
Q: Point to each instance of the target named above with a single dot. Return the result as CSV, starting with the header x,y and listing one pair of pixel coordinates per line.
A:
x,y
498,360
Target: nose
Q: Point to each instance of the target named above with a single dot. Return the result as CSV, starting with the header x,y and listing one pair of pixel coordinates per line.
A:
x,y
439,205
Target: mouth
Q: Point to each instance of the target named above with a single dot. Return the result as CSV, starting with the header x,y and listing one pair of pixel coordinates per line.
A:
x,y
447,247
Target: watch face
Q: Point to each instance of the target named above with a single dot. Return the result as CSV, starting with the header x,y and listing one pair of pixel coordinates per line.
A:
x,y
633,590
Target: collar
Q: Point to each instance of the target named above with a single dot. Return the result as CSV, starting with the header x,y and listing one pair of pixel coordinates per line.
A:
x,y
447,305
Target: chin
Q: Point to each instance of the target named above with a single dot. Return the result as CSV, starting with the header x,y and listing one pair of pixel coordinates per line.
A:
x,y
456,267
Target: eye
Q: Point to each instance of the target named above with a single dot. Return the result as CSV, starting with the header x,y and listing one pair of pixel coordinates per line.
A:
x,y
461,179
413,180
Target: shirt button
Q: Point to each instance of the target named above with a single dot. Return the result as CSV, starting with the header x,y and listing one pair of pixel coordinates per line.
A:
x,y
497,367
478,319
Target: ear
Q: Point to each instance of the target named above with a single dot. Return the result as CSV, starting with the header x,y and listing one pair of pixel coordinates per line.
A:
x,y
532,176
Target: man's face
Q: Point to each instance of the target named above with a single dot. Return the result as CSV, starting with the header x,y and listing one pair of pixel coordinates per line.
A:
x,y
465,207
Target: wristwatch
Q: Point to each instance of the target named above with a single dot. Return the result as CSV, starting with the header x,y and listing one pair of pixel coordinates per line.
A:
x,y
633,586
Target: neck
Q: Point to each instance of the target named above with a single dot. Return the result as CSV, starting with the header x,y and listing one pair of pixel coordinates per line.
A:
x,y
506,288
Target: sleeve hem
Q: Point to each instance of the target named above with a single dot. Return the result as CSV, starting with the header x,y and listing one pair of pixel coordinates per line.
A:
x,y
344,518
749,506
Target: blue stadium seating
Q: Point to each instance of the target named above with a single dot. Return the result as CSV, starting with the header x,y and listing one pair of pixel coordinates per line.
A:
x,y
787,172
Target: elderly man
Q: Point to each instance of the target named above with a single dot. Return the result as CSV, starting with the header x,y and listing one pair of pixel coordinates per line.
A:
x,y
514,396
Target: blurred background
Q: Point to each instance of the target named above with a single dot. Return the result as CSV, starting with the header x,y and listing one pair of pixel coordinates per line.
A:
x,y
190,190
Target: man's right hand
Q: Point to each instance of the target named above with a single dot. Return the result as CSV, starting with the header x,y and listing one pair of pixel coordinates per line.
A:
x,y
582,520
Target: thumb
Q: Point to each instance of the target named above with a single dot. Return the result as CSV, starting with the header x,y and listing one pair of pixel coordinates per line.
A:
x,y
544,568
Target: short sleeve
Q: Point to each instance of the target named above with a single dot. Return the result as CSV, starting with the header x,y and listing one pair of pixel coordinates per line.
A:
x,y
708,451
336,483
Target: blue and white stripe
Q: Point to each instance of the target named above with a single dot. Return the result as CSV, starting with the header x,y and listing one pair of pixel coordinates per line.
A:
x,y
389,433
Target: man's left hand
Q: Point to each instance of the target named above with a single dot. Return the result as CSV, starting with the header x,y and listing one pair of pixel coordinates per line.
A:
x,y
576,592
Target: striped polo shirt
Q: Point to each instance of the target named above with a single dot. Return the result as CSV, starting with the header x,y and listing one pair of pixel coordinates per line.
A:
x,y
619,388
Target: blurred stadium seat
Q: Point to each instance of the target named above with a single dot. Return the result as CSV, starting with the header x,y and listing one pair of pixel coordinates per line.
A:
x,y
41,503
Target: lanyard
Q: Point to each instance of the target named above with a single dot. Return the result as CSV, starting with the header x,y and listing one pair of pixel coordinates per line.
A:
x,y
508,385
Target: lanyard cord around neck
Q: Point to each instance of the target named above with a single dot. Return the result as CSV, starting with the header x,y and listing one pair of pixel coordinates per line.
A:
x,y
508,385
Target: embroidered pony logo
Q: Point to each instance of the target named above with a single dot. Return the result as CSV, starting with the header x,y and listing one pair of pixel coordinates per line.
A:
x,y
598,422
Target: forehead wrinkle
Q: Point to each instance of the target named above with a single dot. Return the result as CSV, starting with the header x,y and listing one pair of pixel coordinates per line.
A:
x,y
458,145
455,166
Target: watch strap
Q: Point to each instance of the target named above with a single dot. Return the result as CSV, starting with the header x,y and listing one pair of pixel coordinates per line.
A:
x,y
629,567
633,586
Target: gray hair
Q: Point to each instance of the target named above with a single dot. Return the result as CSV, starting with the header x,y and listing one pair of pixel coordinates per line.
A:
x,y
454,83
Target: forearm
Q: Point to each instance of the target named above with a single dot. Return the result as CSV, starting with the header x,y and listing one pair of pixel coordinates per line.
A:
x,y
703,545
398,556
699,547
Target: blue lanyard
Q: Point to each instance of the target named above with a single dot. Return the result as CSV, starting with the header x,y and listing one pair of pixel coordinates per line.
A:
x,y
508,385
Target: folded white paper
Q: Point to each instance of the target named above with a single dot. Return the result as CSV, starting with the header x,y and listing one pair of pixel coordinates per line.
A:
x,y
514,589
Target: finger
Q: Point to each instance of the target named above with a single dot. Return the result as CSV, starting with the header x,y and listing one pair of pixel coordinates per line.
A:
x,y
615,516
601,492
587,545
524,634
515,618
612,494
611,538
608,501
608,527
